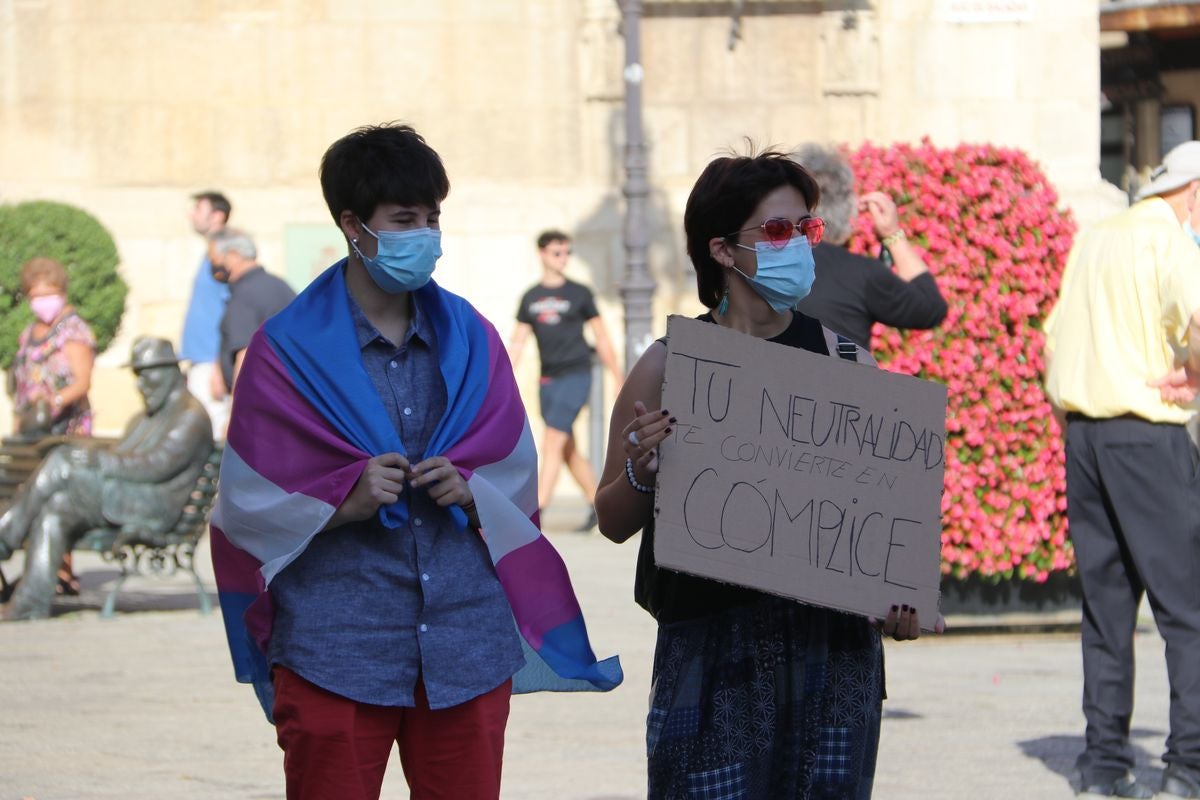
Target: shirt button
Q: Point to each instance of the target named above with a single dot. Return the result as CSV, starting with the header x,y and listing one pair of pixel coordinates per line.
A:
x,y
417,521
407,412
424,627
394,365
424,576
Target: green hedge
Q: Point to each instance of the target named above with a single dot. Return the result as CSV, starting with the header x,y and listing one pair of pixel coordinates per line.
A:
x,y
74,238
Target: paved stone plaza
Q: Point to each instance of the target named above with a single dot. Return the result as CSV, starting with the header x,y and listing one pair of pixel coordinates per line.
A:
x,y
144,706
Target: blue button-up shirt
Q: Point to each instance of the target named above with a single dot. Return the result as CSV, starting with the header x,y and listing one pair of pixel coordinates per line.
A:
x,y
201,325
367,610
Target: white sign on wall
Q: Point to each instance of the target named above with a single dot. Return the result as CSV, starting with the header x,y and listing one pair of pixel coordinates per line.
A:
x,y
988,11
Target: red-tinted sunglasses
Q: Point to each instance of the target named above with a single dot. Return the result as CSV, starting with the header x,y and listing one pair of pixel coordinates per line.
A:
x,y
779,230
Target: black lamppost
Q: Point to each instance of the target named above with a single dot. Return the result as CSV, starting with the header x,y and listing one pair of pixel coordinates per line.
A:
x,y
637,287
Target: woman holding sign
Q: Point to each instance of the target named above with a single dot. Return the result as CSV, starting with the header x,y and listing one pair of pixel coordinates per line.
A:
x,y
754,696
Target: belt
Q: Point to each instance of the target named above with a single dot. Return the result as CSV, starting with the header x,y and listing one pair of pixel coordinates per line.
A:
x,y
1075,416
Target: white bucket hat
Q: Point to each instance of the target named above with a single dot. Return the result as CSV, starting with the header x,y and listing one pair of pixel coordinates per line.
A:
x,y
1180,167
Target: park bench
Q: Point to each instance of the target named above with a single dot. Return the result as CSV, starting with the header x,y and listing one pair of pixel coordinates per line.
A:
x,y
136,553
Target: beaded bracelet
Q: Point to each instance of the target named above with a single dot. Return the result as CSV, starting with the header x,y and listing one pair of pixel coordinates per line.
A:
x,y
897,236
633,481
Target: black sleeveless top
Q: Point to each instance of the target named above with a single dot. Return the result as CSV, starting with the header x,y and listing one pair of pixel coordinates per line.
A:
x,y
672,596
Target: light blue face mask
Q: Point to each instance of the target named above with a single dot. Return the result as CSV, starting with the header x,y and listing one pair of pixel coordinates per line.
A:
x,y
405,259
785,274
1187,226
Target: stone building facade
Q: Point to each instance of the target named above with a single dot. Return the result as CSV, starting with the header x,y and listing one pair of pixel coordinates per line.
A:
x,y
125,107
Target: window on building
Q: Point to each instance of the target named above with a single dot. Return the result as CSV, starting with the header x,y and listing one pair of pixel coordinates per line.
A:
x,y
1114,145
1178,125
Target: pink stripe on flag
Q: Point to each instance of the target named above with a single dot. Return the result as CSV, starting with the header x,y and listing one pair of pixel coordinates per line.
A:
x,y
533,575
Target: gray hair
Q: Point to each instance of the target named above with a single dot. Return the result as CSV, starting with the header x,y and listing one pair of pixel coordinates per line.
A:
x,y
838,201
233,240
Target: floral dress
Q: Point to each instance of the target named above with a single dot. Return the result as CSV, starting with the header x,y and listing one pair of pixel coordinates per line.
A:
x,y
41,370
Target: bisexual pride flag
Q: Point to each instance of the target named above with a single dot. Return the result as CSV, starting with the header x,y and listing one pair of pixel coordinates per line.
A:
x,y
306,419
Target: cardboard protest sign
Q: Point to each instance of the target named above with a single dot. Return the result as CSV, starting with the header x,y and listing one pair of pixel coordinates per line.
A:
x,y
803,475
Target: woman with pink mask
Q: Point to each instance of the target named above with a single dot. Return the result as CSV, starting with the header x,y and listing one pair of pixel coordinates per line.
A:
x,y
53,365
52,371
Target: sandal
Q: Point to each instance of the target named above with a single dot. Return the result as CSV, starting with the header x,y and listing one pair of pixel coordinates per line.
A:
x,y
67,586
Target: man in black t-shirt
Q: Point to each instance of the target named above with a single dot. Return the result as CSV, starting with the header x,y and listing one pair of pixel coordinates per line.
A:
x,y
254,296
555,311
852,292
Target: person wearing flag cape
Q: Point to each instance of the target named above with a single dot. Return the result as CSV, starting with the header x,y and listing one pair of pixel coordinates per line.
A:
x,y
375,538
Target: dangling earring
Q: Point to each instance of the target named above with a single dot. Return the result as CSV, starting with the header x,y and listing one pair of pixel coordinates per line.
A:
x,y
723,308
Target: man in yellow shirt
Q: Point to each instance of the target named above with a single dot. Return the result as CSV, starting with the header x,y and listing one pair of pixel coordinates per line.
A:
x,y
1123,363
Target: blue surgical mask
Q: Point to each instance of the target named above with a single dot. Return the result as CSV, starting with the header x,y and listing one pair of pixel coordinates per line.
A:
x,y
785,274
405,259
1187,226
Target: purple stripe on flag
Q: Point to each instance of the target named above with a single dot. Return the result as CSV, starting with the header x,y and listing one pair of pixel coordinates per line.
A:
x,y
260,619
235,569
497,427
538,589
283,438
237,573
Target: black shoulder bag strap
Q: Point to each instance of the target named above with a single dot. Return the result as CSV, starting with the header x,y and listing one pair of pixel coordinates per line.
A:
x,y
846,348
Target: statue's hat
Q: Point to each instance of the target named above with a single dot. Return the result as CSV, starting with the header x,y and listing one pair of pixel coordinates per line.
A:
x,y
150,351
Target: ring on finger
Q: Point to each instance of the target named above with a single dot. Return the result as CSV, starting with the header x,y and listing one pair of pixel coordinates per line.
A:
x,y
633,439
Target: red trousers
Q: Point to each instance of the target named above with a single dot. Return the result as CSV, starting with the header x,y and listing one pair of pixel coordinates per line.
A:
x,y
337,749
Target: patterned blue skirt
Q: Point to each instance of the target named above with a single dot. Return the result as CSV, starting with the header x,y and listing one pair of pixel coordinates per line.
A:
x,y
769,701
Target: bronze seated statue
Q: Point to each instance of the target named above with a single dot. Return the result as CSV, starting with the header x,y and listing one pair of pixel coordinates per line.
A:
x,y
139,484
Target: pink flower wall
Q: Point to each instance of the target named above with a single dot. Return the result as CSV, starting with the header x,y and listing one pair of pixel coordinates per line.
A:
x,y
988,224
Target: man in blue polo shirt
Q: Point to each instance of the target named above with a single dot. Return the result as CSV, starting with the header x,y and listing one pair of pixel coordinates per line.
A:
x,y
201,326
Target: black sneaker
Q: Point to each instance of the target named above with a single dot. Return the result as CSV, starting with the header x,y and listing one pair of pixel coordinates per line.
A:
x,y
1180,781
1126,786
589,523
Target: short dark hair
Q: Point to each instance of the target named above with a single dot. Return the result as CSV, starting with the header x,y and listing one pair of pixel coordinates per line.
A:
x,y
376,164
218,201
546,238
724,197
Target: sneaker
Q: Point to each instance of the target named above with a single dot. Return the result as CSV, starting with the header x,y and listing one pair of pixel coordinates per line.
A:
x,y
589,523
1180,781
1126,786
